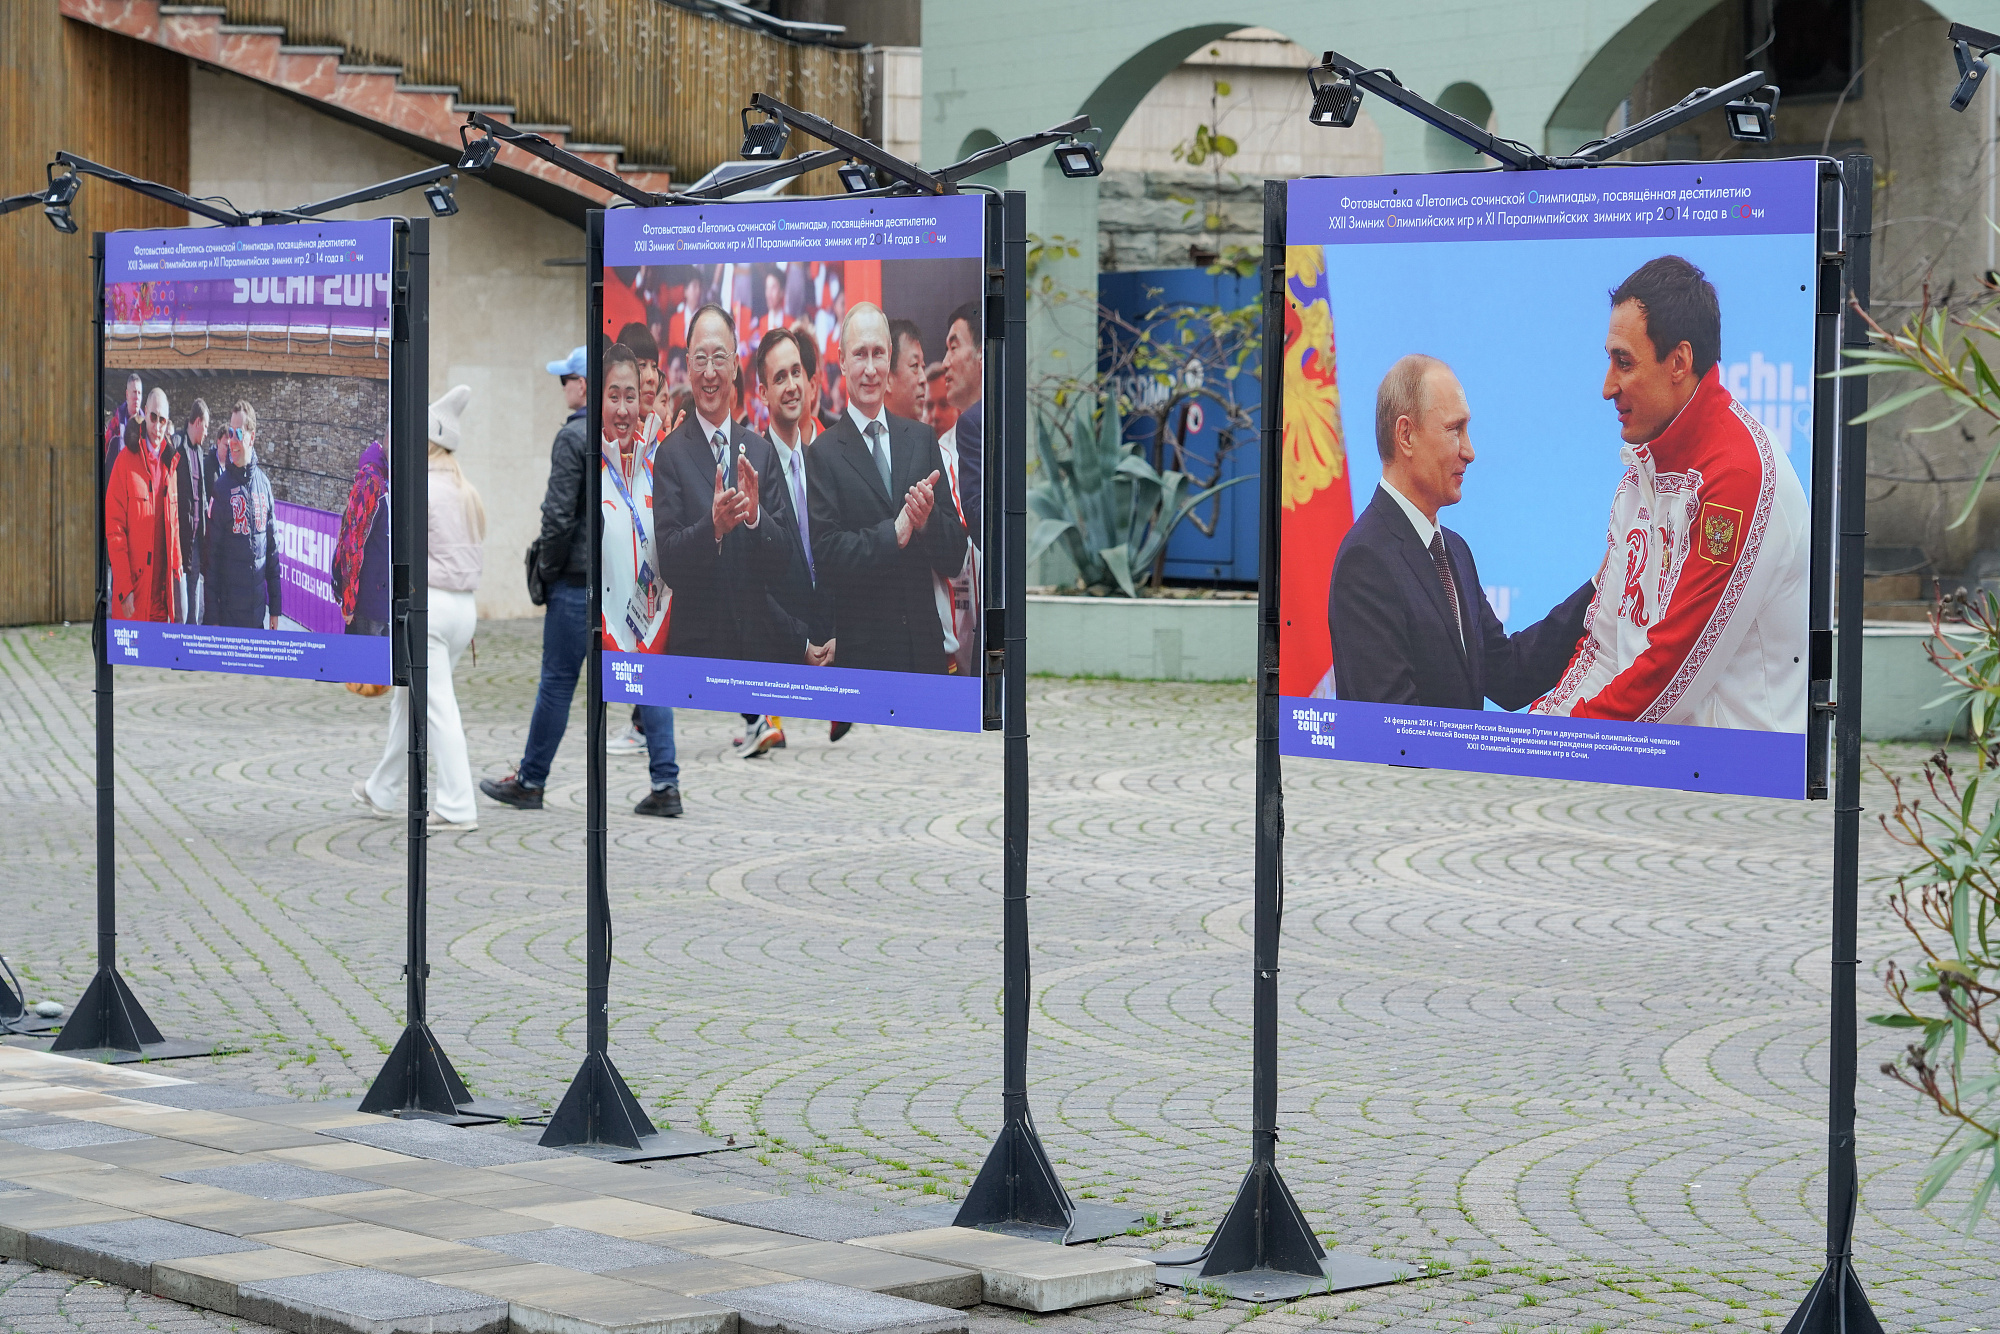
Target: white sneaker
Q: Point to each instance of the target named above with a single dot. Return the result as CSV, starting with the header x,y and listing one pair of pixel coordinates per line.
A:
x,y
367,802
760,738
627,742
436,821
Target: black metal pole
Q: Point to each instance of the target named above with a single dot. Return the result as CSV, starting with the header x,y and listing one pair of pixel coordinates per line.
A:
x,y
1265,1248
598,1109
1837,1304
418,1079
108,1022
1017,1186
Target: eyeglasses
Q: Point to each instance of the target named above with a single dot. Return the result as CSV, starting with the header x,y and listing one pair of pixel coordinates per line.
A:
x,y
703,361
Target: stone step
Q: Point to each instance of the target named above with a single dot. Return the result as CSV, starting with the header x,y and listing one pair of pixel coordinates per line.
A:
x,y
552,1299
1027,1275
124,1251
369,1301
807,1306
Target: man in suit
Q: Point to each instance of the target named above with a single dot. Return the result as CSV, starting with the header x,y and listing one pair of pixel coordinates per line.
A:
x,y
1410,624
781,383
724,536
882,522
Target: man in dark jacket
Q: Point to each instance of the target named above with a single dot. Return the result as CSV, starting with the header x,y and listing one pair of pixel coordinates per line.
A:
x,y
191,477
883,521
245,580
1409,622
722,517
562,557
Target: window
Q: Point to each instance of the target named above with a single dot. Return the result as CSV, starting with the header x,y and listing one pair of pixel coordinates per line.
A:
x,y
1808,47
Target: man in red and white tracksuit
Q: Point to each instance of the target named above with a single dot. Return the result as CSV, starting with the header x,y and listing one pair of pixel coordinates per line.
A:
x,y
1701,609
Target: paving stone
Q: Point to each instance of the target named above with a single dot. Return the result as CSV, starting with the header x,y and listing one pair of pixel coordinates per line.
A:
x,y
813,1216
124,1251
211,1281
70,1135
428,1139
698,1276
365,1244
369,1301
203,1097
23,1213
573,1248
726,1240
1470,1066
244,1217
273,1181
435,1178
547,1299
808,1306
155,1155
445,1219
1028,1275
877,1271
619,1218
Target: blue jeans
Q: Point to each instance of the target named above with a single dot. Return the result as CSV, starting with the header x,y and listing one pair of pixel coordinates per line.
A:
x,y
565,644
657,721
565,647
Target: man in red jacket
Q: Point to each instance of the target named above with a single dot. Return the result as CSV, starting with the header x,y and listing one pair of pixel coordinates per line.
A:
x,y
141,521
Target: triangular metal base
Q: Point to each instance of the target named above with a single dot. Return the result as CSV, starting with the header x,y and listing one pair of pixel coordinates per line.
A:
x,y
1017,1184
1264,1230
417,1078
109,1015
598,1110
1836,1305
15,1017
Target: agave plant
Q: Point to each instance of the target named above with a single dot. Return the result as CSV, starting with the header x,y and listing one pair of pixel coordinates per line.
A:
x,y
1111,510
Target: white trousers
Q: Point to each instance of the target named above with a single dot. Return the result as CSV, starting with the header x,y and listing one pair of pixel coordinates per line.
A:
x,y
453,618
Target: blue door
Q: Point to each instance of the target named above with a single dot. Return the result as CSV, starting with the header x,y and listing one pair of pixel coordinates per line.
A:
x,y
1227,553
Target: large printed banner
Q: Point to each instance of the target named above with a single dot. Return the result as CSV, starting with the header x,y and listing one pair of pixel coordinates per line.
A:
x,y
1557,525
793,459
245,426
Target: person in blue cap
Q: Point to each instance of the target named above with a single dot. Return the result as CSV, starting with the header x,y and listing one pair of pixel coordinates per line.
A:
x,y
562,560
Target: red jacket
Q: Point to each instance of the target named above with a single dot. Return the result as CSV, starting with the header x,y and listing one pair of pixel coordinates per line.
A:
x,y
141,534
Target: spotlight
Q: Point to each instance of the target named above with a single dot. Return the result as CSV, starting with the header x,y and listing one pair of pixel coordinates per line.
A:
x,y
764,140
479,153
1078,157
1335,103
438,195
55,204
1750,120
856,176
1971,72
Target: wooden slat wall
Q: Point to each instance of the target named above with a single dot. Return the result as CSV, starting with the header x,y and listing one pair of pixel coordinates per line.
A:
x,y
123,103
665,82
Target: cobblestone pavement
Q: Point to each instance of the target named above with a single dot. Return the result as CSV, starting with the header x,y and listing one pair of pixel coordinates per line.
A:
x,y
1567,1040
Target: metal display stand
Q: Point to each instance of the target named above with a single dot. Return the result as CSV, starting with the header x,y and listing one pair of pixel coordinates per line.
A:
x,y
598,1116
1017,1191
109,1024
1264,1248
1837,1303
417,1080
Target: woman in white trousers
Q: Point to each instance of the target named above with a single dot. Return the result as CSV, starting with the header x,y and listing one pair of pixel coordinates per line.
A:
x,y
458,526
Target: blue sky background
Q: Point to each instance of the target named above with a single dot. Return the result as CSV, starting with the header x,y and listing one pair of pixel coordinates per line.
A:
x,y
1522,323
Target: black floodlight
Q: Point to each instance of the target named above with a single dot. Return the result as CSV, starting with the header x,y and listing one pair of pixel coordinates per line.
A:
x,y
479,153
1971,68
1078,157
1335,103
764,141
855,176
55,203
439,196
1751,121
